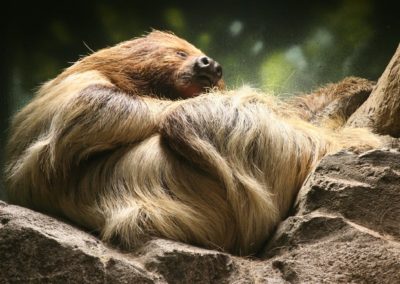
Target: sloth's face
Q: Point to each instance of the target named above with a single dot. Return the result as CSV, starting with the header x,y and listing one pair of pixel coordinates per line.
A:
x,y
172,67
197,74
159,64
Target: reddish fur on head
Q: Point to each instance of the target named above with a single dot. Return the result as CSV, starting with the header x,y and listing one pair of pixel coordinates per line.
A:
x,y
158,64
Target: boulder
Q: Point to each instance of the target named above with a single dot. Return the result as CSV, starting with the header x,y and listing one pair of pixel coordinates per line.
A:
x,y
345,228
346,224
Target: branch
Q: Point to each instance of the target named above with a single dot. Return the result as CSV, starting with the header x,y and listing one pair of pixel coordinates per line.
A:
x,y
381,111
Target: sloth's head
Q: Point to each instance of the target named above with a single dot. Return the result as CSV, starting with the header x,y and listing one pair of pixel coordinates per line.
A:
x,y
159,64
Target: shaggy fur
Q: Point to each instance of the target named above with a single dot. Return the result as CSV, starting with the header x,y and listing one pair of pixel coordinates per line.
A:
x,y
218,170
332,105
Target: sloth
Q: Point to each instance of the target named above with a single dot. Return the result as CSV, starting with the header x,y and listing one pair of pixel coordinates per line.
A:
x,y
126,143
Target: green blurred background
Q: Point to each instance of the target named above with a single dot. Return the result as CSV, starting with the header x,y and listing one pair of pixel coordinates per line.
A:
x,y
284,47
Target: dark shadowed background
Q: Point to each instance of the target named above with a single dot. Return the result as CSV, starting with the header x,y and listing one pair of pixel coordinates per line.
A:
x,y
284,47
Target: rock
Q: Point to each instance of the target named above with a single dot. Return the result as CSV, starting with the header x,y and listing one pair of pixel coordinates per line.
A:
x,y
345,229
322,249
365,189
35,248
192,264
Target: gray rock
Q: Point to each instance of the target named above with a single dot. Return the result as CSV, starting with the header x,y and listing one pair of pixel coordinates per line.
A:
x,y
323,249
364,189
35,248
346,226
345,229
176,262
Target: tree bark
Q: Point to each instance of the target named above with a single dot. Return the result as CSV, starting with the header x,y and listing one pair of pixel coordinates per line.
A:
x,y
381,111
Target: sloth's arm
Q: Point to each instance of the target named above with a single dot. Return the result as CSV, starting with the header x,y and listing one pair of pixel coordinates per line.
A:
x,y
99,118
211,130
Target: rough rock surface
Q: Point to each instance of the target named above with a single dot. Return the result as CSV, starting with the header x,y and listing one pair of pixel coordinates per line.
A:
x,y
345,229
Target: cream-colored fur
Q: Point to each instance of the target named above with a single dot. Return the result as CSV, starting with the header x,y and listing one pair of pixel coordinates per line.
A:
x,y
219,170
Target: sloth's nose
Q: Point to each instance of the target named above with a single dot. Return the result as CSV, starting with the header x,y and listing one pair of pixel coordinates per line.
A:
x,y
207,70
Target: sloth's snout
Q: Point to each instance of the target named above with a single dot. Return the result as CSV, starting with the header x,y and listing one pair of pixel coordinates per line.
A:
x,y
207,71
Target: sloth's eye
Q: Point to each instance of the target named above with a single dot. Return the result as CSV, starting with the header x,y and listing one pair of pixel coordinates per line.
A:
x,y
182,54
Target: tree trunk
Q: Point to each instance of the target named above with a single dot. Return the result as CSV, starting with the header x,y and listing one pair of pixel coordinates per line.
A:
x,y
381,111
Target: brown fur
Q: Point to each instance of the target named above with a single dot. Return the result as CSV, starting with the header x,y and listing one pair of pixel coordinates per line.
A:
x,y
149,65
218,170
332,105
